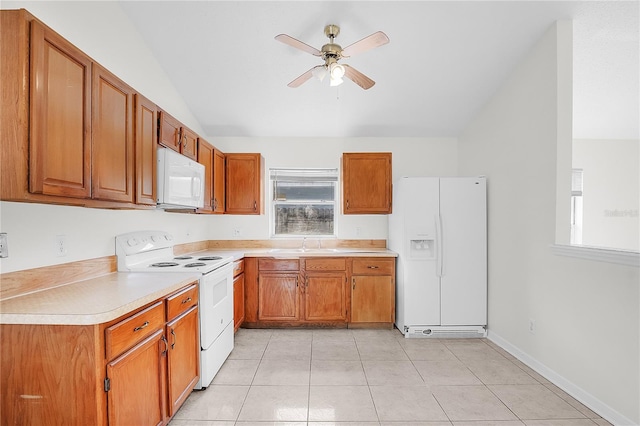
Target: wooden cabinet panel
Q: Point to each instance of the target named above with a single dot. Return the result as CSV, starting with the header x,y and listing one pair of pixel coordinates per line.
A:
x,y
131,330
366,183
243,183
218,181
238,301
372,299
60,123
189,143
112,149
183,362
205,157
270,264
137,381
278,297
325,264
169,131
181,301
146,140
373,266
325,296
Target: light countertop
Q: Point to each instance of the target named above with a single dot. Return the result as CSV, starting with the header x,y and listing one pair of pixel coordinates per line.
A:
x,y
92,301
299,252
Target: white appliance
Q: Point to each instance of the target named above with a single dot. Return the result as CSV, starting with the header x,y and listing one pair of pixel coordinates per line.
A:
x,y
180,181
152,251
439,230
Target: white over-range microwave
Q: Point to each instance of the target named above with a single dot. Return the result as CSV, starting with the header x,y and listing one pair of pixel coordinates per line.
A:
x,y
180,181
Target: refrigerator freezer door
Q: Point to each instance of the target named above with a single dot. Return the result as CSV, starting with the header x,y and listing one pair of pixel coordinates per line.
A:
x,y
420,207
464,247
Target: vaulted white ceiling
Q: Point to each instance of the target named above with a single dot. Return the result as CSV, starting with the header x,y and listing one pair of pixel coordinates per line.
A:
x,y
444,61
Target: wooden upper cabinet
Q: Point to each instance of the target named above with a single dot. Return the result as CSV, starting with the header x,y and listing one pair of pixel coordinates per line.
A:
x,y
218,181
174,135
112,156
146,139
205,157
366,183
189,143
169,131
60,122
243,183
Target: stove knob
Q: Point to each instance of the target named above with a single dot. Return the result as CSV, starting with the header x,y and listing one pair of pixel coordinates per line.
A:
x,y
154,238
132,242
168,237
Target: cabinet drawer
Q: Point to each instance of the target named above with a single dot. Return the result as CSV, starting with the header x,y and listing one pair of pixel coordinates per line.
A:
x,y
373,266
266,264
238,267
123,335
179,302
325,264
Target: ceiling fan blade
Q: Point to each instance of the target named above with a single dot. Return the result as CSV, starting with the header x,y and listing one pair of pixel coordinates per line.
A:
x,y
367,43
357,77
303,78
297,44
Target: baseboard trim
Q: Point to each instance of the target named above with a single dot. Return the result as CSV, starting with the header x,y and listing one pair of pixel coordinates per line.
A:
x,y
593,403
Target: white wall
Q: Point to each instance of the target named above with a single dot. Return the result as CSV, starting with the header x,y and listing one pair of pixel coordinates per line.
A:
x,y
587,313
411,157
611,191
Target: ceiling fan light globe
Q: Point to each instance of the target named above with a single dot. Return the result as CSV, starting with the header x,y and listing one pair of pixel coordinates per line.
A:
x,y
335,81
337,71
319,72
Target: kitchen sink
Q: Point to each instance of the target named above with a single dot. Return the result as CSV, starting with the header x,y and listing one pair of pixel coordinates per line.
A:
x,y
318,250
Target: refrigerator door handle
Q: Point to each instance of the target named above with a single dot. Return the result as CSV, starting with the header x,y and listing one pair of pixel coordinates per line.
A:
x,y
439,250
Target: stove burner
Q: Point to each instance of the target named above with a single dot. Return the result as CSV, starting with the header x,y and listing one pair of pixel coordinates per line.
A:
x,y
183,257
210,258
163,264
194,265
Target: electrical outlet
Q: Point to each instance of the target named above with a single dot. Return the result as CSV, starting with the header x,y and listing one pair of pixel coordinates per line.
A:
x,y
237,232
358,231
4,245
61,245
532,326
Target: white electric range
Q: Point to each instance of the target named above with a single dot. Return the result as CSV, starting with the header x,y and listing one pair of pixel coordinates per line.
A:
x,y
152,251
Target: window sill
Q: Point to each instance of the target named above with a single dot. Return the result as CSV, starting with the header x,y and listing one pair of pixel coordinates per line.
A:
x,y
620,257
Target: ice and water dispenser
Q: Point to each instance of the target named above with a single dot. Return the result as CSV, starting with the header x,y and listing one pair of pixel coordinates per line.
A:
x,y
422,247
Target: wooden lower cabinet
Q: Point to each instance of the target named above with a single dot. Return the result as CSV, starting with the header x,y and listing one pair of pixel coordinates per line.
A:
x,y
136,384
238,294
373,292
183,363
135,370
320,292
278,298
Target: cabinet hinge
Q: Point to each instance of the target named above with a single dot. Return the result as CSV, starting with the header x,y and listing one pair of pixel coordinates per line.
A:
x,y
107,384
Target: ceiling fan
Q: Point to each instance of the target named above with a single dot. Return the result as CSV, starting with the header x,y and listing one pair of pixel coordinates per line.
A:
x,y
331,53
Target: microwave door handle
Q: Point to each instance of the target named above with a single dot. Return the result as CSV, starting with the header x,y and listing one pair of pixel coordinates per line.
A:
x,y
195,187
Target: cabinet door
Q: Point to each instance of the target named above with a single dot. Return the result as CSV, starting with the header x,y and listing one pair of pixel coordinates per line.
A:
x,y
366,183
278,297
169,131
112,150
137,380
325,296
243,195
218,181
60,122
146,140
238,301
189,147
372,299
183,359
205,157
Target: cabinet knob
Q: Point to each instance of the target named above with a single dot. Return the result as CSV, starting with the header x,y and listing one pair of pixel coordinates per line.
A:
x,y
140,327
372,267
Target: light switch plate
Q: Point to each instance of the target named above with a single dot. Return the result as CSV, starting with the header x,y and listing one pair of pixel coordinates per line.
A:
x,y
4,245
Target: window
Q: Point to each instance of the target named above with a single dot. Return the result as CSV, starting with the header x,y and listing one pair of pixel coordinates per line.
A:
x,y
303,201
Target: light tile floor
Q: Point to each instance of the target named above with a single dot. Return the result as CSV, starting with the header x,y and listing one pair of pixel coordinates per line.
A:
x,y
376,378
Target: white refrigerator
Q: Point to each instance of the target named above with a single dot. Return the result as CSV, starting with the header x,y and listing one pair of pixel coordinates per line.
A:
x,y
439,230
